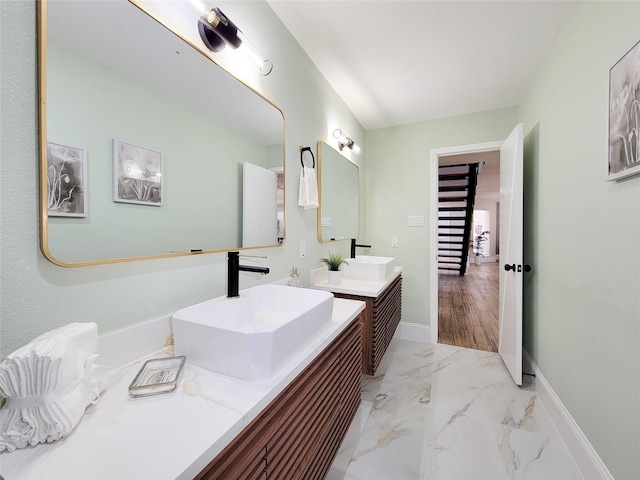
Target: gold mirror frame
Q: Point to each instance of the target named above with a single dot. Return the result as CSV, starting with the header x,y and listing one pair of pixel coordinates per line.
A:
x,y
327,180
43,141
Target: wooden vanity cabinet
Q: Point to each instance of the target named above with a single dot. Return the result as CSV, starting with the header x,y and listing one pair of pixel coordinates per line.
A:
x,y
298,435
381,318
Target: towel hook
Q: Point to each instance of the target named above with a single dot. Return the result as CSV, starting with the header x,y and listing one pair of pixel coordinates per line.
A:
x,y
306,149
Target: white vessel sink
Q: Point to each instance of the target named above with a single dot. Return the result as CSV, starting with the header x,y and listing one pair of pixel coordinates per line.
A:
x,y
251,337
369,267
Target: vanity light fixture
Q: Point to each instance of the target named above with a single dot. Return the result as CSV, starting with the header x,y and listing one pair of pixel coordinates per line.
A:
x,y
344,141
217,31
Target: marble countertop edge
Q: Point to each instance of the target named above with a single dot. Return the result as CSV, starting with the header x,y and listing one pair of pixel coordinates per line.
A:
x,y
348,286
167,436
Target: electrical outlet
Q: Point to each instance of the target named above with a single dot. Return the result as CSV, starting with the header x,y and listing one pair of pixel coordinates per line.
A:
x,y
394,242
303,249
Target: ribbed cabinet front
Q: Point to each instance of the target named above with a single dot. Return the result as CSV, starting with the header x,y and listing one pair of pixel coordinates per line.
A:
x,y
299,434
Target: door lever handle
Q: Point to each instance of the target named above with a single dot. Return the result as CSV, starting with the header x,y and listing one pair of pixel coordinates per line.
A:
x,y
507,267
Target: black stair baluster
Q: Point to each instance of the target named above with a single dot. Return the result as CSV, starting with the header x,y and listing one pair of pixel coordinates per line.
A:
x,y
453,248
471,199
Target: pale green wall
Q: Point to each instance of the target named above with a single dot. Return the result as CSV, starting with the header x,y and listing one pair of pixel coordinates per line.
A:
x,y
582,304
37,296
89,105
582,321
398,186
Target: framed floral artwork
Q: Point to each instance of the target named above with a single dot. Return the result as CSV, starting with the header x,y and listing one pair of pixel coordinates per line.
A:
x,y
624,116
137,174
66,181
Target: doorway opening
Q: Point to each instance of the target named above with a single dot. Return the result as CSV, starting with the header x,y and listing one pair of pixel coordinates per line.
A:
x,y
464,309
511,265
468,299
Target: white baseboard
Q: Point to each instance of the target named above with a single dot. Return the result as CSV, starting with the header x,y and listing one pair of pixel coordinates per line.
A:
x,y
415,332
587,459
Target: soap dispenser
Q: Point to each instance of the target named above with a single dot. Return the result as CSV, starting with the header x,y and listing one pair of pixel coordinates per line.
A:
x,y
294,278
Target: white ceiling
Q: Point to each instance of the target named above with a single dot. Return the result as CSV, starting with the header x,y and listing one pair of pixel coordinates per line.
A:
x,y
396,62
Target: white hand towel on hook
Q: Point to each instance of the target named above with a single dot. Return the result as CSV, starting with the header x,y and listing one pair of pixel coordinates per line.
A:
x,y
308,197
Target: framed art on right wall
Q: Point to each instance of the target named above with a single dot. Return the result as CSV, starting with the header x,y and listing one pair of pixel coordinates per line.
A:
x,y
623,157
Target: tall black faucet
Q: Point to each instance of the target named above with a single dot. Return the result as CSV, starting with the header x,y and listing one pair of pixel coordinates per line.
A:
x,y
233,273
354,245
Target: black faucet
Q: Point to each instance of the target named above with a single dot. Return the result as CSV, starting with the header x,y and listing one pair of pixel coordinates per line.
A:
x,y
233,273
354,245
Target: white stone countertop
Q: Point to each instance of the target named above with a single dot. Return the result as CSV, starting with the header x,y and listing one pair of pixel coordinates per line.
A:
x,y
349,286
167,436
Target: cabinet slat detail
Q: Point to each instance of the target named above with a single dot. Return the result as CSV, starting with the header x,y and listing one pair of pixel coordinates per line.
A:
x,y
351,386
312,396
298,435
381,318
259,472
290,452
325,453
306,443
231,466
348,408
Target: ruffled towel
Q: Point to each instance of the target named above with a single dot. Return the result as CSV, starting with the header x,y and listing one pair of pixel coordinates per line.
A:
x,y
308,195
47,385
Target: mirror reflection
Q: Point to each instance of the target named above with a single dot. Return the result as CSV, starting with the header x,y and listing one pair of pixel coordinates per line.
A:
x,y
146,141
338,188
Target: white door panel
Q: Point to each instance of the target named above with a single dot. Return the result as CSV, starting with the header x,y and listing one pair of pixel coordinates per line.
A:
x,y
511,261
259,206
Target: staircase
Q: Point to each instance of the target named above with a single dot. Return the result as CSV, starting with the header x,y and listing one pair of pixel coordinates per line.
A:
x,y
456,197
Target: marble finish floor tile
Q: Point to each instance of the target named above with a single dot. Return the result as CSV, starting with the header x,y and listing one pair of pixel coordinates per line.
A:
x,y
478,384
464,447
444,412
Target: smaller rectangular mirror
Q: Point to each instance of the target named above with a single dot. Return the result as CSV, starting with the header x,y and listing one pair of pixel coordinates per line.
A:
x,y
338,194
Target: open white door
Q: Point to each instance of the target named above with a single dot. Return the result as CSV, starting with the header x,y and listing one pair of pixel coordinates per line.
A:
x,y
259,206
511,263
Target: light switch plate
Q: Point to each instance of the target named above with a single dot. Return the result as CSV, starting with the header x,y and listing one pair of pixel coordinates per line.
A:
x,y
303,249
416,221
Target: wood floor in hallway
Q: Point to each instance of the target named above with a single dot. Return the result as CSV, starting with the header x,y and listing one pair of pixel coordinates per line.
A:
x,y
468,308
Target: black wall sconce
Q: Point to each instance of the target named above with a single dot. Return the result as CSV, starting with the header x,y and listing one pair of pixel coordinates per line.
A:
x,y
344,141
217,31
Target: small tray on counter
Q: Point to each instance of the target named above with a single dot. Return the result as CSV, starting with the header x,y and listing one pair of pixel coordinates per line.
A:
x,y
157,376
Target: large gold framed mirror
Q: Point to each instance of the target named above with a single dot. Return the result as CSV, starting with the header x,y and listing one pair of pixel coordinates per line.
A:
x,y
145,142
338,191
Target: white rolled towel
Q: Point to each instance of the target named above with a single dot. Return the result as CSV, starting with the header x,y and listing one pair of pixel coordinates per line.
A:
x,y
48,385
308,194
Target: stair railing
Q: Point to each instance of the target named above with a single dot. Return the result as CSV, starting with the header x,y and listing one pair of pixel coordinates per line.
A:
x,y
471,199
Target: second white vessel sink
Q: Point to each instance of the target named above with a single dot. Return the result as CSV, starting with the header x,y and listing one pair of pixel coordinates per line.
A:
x,y
369,267
254,335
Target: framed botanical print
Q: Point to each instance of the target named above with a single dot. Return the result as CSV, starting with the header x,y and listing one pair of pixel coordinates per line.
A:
x,y
66,181
137,174
624,116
